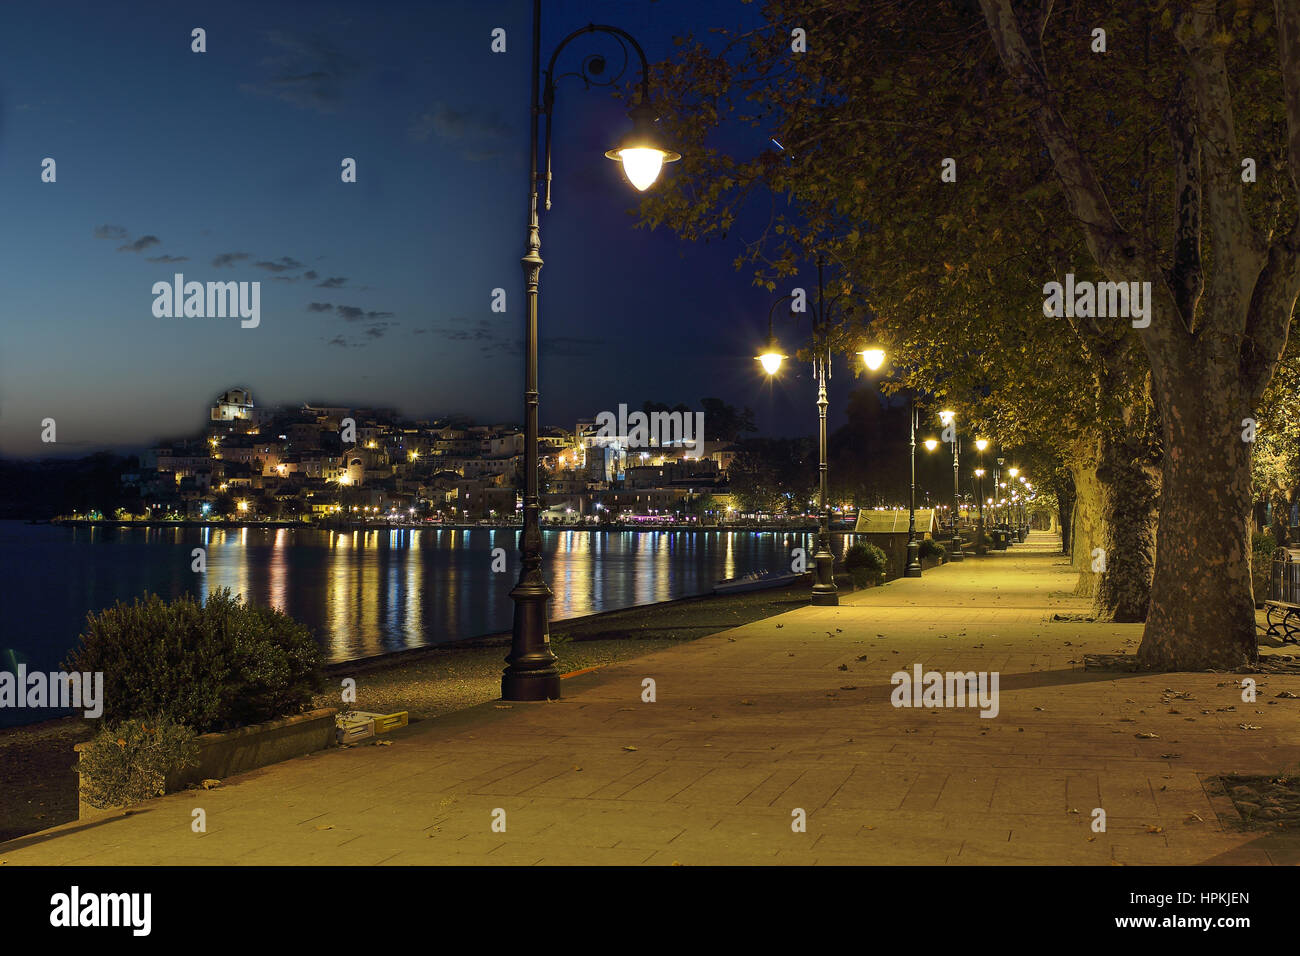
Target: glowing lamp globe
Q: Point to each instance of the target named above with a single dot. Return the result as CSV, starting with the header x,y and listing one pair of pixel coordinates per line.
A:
x,y
641,152
873,358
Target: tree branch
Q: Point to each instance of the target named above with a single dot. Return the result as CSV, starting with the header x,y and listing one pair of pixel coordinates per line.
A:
x,y
1186,279
1288,44
1116,251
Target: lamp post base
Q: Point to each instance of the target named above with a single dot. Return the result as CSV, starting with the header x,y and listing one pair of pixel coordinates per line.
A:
x,y
824,592
538,685
913,569
530,672
954,549
829,598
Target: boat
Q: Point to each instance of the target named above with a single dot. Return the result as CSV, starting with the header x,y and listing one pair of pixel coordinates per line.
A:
x,y
755,581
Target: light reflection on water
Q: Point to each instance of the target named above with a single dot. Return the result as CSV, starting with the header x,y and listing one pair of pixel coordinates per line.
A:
x,y
363,591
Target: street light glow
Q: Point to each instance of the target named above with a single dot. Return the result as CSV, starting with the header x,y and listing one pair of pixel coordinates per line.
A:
x,y
981,443
771,360
873,357
641,153
931,444
946,416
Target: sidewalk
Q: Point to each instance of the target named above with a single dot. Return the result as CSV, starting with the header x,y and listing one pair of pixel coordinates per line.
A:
x,y
792,712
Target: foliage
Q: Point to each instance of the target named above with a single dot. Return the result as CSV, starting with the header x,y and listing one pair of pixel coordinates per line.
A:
x,y
774,475
866,563
932,549
129,761
209,666
1262,546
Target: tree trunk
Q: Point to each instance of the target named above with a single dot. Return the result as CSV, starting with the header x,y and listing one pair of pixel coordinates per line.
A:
x,y
1130,493
1065,511
1202,611
1087,532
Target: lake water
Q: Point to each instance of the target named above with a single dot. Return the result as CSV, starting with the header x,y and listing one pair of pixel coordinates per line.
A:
x,y
361,592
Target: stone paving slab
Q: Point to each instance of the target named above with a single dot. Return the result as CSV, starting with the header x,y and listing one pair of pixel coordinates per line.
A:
x,y
755,724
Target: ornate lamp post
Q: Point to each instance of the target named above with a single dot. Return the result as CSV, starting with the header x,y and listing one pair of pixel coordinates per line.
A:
x,y
530,672
824,592
981,545
913,568
948,419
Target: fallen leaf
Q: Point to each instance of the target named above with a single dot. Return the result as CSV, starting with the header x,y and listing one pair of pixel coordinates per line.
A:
x,y
209,784
1142,735
629,747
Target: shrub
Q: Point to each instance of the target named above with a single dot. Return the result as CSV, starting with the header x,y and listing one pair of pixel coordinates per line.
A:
x,y
128,762
866,563
932,549
208,666
1263,544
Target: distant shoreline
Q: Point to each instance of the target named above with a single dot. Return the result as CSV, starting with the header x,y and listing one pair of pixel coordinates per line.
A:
x,y
810,528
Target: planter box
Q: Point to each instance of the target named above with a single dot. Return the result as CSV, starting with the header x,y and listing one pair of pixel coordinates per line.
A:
x,y
246,748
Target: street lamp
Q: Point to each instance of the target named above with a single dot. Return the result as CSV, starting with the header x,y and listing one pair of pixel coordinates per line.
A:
x,y
981,547
824,592
530,672
873,358
948,418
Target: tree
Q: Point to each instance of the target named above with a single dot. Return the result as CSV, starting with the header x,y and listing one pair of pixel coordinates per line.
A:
x,y
726,423
947,279
1225,286
1140,150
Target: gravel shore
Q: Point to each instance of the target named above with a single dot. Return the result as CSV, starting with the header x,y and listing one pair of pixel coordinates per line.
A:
x,y
36,762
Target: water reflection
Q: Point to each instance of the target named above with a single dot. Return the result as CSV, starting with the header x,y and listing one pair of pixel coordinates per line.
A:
x,y
363,591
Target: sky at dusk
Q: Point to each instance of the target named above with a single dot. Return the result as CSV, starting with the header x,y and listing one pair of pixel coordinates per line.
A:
x,y
225,166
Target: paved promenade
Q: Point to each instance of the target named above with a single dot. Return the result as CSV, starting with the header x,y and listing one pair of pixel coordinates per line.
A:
x,y
752,724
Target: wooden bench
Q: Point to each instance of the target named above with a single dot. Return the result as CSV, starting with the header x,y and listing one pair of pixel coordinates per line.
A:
x,y
1284,597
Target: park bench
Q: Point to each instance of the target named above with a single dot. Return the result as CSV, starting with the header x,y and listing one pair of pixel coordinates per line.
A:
x,y
1283,597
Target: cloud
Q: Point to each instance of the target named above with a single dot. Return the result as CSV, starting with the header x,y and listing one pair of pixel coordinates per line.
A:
x,y
338,340
377,331
141,244
334,282
479,136
168,258
283,264
306,72
310,274
353,314
319,307
110,232
453,125
483,332
229,259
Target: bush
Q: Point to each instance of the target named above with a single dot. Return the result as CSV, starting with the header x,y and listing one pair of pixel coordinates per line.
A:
x,y
1263,544
866,563
129,762
208,666
932,549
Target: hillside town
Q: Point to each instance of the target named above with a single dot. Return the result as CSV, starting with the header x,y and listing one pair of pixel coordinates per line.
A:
x,y
318,463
